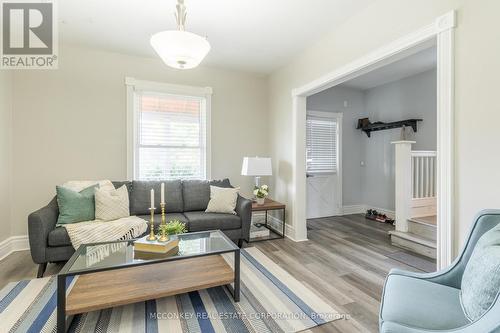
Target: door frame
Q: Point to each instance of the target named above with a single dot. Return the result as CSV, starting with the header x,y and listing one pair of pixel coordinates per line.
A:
x,y
440,32
338,116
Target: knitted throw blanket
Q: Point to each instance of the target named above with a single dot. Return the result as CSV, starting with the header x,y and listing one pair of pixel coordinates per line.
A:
x,y
99,231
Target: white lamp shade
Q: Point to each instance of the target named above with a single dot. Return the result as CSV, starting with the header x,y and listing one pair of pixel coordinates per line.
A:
x,y
256,166
180,49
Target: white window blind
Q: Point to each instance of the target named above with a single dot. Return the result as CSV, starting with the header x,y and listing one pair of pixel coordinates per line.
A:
x,y
321,145
171,136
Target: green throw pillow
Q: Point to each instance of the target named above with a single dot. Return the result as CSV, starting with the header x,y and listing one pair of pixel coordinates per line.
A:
x,y
75,206
481,278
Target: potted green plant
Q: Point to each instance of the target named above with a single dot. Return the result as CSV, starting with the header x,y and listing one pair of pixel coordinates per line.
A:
x,y
261,192
173,227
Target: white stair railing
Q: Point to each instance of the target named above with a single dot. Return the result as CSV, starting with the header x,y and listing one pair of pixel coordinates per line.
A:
x,y
423,174
415,178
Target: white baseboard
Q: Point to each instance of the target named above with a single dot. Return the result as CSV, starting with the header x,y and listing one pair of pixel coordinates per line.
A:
x,y
13,244
361,209
353,209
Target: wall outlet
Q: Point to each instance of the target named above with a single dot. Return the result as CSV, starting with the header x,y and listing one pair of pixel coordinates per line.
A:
x,y
362,163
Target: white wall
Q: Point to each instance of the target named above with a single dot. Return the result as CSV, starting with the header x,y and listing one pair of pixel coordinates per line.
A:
x,y
411,97
70,123
477,111
5,152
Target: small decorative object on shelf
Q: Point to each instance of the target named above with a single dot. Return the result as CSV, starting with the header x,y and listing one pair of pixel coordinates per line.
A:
x,y
258,230
372,214
261,192
403,136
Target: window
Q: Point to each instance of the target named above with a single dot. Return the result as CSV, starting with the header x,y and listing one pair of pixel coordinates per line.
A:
x,y
170,132
321,144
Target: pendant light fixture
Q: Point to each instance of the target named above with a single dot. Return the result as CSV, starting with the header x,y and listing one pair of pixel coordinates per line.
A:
x,y
178,48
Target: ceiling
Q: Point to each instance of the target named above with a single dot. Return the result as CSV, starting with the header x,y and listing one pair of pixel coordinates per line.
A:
x,y
419,62
250,35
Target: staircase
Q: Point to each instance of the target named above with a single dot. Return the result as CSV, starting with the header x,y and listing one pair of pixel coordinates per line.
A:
x,y
416,221
420,237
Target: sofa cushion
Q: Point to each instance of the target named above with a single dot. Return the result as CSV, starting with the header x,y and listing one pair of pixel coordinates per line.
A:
x,y
200,221
196,193
59,237
140,199
421,304
168,217
481,278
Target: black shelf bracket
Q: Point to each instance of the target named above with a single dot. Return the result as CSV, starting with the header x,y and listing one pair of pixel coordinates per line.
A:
x,y
366,126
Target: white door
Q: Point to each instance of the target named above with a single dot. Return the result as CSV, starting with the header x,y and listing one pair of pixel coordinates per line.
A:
x,y
323,164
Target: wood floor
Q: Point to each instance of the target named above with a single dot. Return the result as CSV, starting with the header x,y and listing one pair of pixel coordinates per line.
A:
x,y
345,260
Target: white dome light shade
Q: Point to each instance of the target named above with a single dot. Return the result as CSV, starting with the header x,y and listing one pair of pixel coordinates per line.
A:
x,y
180,49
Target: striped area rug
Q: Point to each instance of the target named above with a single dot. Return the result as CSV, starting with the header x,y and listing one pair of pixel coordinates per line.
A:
x,y
271,301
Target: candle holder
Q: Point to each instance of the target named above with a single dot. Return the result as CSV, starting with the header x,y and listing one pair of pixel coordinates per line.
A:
x,y
152,236
164,237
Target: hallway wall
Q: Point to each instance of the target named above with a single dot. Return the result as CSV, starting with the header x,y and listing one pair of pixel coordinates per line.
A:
x,y
412,97
368,163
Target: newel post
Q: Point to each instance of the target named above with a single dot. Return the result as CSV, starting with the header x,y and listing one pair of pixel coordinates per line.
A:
x,y
403,175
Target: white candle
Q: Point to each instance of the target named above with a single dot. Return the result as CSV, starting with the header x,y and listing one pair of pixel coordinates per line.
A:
x,y
162,193
152,198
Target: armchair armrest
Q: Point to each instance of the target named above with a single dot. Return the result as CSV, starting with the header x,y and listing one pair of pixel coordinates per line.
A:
x,y
450,276
40,224
244,211
487,323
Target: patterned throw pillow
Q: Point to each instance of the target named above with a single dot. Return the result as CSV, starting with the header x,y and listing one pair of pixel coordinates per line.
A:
x,y
222,200
75,206
111,204
481,278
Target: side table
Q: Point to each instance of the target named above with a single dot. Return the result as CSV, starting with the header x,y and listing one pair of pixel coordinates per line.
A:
x,y
270,205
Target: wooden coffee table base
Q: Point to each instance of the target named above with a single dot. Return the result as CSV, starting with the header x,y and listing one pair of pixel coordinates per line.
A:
x,y
106,289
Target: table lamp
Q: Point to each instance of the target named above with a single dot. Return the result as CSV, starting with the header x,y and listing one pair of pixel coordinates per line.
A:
x,y
257,167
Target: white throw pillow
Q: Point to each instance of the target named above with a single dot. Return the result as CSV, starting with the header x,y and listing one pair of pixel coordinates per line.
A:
x,y
222,200
111,205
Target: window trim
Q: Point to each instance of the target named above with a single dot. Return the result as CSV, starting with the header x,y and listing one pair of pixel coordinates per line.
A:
x,y
134,85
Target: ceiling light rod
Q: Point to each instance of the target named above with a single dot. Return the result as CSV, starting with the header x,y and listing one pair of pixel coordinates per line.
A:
x,y
180,15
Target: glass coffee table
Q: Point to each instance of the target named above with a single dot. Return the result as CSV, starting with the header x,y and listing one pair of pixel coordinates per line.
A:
x,y
113,274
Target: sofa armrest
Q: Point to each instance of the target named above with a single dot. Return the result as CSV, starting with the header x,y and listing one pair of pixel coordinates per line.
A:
x,y
244,211
40,224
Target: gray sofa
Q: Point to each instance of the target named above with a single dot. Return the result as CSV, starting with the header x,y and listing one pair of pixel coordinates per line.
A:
x,y
186,201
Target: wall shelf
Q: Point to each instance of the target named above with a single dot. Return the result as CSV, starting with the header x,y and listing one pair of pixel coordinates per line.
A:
x,y
366,126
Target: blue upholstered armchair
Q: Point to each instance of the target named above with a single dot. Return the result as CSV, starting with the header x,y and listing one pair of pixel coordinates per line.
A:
x,y
414,302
